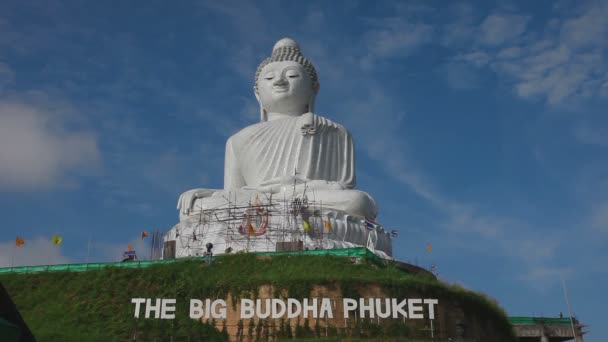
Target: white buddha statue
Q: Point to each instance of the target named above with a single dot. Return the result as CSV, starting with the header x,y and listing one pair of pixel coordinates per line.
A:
x,y
291,152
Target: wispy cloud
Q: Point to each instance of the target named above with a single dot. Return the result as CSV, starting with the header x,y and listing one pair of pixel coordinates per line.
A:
x,y
36,251
7,75
594,135
394,38
599,217
563,62
38,148
500,28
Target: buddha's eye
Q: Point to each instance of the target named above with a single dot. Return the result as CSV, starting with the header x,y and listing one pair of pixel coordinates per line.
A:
x,y
269,76
293,75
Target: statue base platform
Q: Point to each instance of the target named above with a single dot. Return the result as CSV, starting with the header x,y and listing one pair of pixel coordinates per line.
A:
x,y
280,226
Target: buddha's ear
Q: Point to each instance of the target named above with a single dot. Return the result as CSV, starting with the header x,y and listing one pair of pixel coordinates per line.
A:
x,y
263,113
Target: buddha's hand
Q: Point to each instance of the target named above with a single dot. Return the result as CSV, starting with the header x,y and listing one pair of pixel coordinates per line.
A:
x,y
186,200
311,123
308,123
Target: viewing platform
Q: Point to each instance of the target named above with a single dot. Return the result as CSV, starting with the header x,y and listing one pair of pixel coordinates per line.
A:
x,y
547,329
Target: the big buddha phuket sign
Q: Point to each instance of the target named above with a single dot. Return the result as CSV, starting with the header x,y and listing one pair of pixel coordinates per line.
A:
x,y
277,308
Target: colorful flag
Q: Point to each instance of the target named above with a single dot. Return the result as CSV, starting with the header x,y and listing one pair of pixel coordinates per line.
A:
x,y
306,225
129,247
394,233
429,248
19,242
56,240
370,224
328,226
144,234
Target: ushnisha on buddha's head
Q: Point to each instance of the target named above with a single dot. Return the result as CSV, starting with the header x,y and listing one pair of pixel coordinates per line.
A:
x,y
286,82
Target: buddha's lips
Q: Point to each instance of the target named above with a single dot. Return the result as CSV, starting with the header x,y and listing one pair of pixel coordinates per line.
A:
x,y
280,89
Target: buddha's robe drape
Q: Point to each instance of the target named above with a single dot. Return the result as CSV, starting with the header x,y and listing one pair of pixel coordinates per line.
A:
x,y
267,153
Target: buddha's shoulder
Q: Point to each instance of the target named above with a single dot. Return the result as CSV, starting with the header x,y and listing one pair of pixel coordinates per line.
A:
x,y
245,133
328,123
323,123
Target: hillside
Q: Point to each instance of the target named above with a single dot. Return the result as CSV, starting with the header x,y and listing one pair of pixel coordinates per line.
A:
x,y
96,305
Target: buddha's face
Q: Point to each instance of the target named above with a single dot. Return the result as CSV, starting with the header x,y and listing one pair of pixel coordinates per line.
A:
x,y
285,87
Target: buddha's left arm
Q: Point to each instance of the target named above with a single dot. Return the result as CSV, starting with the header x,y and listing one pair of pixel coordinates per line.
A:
x,y
233,179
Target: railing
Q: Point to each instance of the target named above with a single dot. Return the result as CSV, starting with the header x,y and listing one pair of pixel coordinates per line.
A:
x,y
358,252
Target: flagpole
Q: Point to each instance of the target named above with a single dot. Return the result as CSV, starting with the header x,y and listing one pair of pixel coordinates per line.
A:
x,y
89,248
13,254
568,304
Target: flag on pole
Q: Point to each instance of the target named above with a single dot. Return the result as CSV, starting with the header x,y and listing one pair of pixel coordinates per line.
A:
x,y
328,226
370,224
19,242
394,233
306,225
56,239
144,234
129,247
429,248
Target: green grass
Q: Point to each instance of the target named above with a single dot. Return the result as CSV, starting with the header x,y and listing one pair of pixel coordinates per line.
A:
x,y
96,305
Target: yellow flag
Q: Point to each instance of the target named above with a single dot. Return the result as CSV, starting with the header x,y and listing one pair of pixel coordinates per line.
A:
x,y
306,225
328,226
129,247
429,248
251,229
57,240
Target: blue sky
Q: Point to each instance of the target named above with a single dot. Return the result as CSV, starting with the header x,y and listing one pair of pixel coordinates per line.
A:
x,y
480,128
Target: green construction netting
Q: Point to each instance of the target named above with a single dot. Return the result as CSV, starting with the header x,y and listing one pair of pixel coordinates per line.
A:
x,y
358,252
539,320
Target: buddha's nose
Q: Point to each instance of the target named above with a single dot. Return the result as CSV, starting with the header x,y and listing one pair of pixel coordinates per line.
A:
x,y
280,81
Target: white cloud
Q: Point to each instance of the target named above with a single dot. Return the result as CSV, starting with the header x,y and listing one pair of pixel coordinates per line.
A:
x,y
564,62
510,53
599,217
7,75
393,38
594,135
38,150
397,37
461,27
476,58
500,28
37,251
461,76
589,28
543,277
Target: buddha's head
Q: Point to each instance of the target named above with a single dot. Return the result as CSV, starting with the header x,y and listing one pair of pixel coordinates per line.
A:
x,y
286,82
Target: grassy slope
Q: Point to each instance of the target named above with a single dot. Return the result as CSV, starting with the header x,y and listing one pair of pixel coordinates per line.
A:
x,y
95,305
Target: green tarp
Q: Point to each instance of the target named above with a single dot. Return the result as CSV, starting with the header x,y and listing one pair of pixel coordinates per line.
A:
x,y
358,252
518,320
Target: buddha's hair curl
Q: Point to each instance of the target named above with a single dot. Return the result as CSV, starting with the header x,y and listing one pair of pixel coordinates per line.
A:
x,y
289,53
